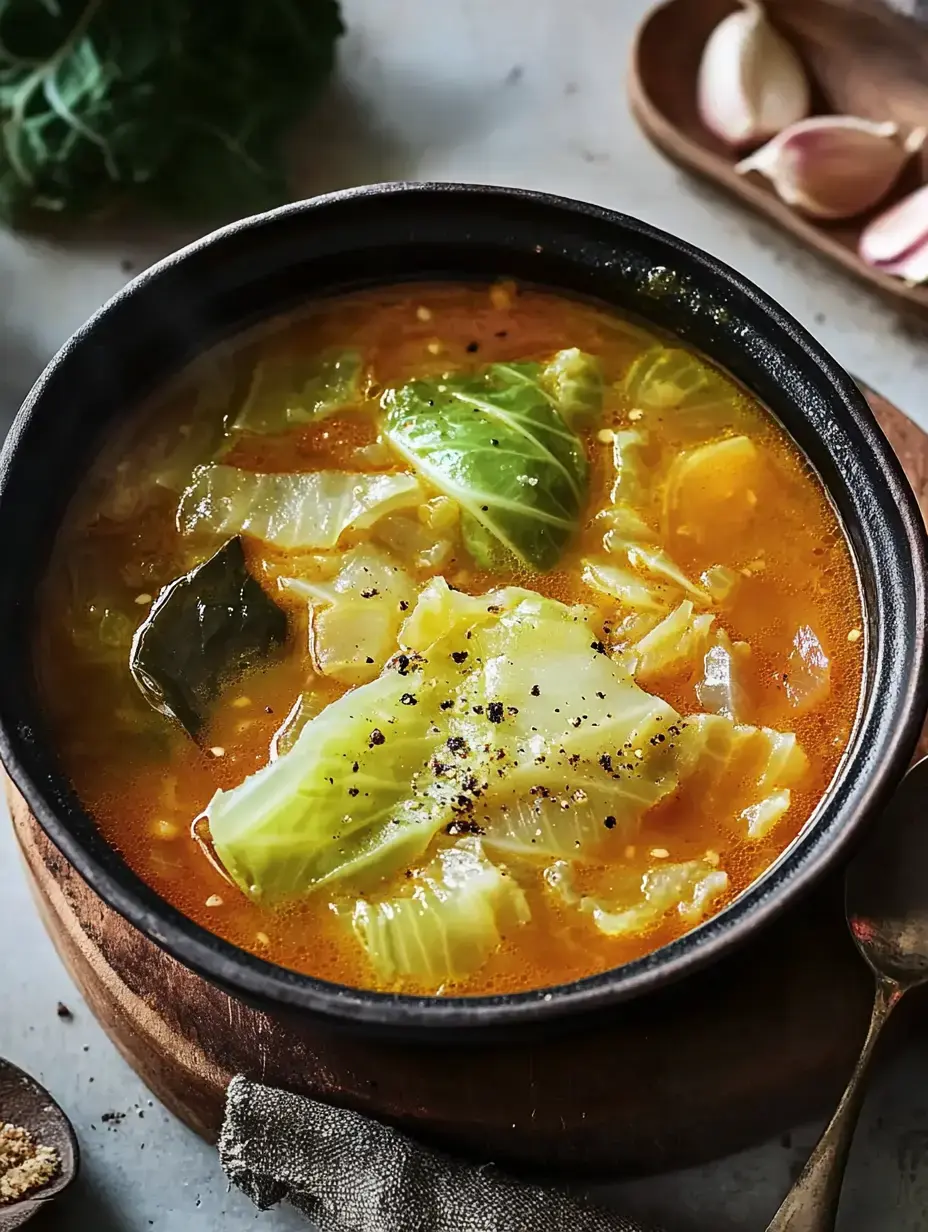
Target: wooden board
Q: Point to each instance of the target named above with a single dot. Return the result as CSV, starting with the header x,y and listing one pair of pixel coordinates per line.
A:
x,y
747,1049
863,58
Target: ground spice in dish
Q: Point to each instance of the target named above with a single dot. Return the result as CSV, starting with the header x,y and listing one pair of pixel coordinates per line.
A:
x,y
25,1165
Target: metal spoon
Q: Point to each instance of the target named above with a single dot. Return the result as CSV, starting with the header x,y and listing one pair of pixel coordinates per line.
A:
x,y
23,1102
886,900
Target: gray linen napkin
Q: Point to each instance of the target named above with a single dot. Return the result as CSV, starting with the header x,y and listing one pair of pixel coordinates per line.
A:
x,y
352,1174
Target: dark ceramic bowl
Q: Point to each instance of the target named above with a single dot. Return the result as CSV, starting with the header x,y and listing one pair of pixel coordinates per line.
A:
x,y
258,267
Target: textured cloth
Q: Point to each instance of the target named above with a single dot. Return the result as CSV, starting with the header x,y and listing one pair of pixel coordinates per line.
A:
x,y
351,1174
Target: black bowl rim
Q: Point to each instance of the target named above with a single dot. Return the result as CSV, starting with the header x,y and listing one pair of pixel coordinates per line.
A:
x,y
814,851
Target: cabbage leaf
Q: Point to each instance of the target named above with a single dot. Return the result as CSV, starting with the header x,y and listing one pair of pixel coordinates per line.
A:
x,y
691,889
497,444
634,905
290,390
344,801
761,762
510,699
673,382
764,815
630,588
575,381
446,923
356,615
291,511
678,643
579,751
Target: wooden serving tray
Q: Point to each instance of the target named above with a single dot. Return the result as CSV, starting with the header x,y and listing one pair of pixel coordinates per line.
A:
x,y
863,58
745,1050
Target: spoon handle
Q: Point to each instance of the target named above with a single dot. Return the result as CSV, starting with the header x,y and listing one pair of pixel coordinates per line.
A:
x,y
812,1203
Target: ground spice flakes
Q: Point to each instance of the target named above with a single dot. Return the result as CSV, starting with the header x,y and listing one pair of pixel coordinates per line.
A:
x,y
25,1165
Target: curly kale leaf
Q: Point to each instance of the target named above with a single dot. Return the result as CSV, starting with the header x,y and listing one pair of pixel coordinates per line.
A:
x,y
176,105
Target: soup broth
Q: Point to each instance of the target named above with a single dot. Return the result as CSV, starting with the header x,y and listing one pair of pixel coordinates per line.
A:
x,y
526,642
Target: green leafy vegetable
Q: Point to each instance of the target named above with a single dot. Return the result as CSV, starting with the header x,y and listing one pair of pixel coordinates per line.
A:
x,y
630,588
357,615
307,510
204,629
496,443
452,917
691,889
441,612
582,743
668,378
505,701
171,104
299,389
680,641
575,381
311,817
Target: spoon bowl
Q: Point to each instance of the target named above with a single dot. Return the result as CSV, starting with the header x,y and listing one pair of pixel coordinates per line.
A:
x,y
886,887
24,1102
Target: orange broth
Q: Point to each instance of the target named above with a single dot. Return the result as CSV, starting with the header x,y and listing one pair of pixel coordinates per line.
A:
x,y
144,790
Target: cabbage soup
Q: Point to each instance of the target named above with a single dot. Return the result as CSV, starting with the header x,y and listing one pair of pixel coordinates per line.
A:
x,y
451,639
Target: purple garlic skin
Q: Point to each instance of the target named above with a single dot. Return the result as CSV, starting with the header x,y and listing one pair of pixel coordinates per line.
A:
x,y
834,167
751,82
896,242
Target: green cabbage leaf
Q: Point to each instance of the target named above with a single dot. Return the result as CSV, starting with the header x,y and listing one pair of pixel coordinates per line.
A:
x,y
497,443
291,511
575,381
635,905
343,802
503,700
446,923
670,381
287,391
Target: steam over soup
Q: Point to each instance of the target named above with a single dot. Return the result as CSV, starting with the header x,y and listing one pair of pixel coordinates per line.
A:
x,y
451,639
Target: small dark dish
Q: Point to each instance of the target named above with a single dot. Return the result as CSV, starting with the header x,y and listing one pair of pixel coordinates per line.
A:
x,y
255,268
24,1103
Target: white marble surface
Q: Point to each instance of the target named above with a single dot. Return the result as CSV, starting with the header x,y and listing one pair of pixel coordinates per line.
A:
x,y
531,93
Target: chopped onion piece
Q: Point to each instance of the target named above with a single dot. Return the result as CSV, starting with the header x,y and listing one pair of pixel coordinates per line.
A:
x,y
808,677
721,689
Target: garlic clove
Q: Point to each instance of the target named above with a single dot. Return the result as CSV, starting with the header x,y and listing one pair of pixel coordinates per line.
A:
x,y
912,267
751,82
893,234
833,167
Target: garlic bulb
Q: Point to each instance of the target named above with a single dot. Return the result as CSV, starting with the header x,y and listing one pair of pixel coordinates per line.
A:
x,y
833,166
751,83
897,241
